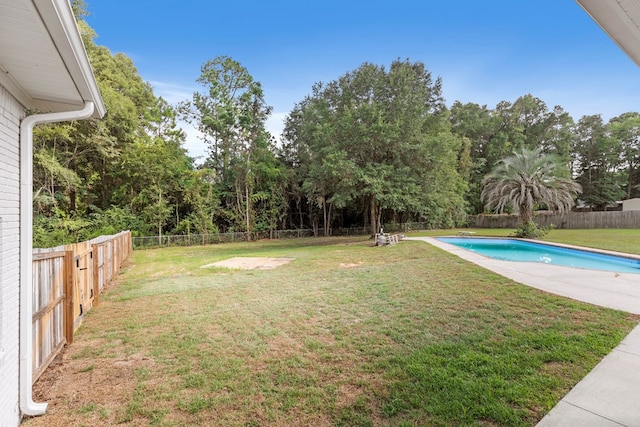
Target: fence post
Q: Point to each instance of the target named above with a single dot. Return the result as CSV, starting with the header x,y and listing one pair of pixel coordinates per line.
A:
x,y
68,297
121,250
112,260
96,274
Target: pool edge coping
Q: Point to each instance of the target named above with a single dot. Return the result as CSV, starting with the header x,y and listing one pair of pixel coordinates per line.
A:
x,y
544,242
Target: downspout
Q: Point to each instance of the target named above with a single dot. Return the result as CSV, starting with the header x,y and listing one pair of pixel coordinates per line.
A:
x,y
27,405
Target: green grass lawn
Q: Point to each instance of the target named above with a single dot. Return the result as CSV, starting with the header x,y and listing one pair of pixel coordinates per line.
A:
x,y
347,334
627,240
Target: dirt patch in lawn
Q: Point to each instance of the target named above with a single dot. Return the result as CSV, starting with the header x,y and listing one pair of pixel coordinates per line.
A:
x,y
350,264
250,263
81,392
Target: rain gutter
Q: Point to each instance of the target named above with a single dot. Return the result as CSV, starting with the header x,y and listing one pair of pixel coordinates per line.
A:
x,y
27,405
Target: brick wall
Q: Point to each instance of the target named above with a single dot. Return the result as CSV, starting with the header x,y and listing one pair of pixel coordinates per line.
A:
x,y
10,114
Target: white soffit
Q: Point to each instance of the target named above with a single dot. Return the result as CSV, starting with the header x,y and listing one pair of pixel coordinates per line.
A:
x,y
620,19
42,59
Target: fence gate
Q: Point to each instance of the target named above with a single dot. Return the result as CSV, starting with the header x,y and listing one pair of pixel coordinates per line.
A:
x,y
50,294
83,285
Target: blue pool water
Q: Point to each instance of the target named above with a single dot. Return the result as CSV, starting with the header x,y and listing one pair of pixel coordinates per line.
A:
x,y
517,250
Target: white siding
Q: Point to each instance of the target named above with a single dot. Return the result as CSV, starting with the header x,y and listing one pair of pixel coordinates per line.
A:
x,y
631,204
10,114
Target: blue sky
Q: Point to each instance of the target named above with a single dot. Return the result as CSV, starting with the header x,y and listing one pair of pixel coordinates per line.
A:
x,y
484,51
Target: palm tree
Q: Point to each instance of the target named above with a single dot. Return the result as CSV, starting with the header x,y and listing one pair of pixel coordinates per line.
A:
x,y
526,180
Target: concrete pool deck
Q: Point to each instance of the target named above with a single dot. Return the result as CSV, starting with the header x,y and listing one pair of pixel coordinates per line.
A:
x,y
610,394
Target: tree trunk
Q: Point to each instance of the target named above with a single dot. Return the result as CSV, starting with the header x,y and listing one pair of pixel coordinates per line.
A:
x,y
160,221
72,200
246,195
372,215
72,190
247,219
526,216
178,216
324,216
299,203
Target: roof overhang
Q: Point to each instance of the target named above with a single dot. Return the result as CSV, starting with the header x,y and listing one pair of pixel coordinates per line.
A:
x,y
43,62
620,19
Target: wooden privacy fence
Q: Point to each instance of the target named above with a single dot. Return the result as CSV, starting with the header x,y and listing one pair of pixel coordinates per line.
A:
x,y
571,220
67,281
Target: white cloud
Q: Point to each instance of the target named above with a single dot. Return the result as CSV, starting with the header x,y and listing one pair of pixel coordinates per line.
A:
x,y
173,93
194,143
275,124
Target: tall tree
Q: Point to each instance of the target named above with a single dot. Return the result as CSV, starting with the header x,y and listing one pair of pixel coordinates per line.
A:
x,y
597,162
380,139
79,167
55,179
625,131
155,168
493,134
479,126
129,102
530,122
559,136
74,162
231,115
527,180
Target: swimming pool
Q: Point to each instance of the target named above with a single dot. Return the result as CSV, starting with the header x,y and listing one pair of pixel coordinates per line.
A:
x,y
518,250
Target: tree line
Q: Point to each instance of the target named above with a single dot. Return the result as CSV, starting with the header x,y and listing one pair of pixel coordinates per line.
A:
x,y
376,145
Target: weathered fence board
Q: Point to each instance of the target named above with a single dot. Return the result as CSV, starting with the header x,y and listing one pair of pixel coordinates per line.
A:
x,y
571,220
48,307
66,284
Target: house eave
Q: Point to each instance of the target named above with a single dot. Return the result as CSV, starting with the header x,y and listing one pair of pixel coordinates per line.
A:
x,y
43,62
620,19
